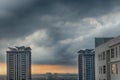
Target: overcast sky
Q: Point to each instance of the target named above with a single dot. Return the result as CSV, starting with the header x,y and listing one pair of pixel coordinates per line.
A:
x,y
56,29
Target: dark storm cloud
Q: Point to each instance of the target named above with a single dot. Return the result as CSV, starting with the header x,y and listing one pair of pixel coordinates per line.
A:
x,y
61,19
21,22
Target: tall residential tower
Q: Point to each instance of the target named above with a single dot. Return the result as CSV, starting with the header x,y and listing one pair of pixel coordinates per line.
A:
x,y
19,63
86,64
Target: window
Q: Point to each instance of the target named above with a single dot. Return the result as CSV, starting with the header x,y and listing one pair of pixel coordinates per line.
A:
x,y
119,50
99,57
108,55
104,69
101,70
112,53
103,55
114,68
116,52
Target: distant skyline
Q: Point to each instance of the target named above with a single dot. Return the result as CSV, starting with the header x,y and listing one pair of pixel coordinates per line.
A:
x,y
56,29
43,69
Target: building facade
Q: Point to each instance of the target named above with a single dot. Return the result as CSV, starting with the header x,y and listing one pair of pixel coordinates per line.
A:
x,y
86,64
19,63
107,60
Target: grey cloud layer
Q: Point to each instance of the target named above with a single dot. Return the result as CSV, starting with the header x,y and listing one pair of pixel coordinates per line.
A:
x,y
20,18
69,25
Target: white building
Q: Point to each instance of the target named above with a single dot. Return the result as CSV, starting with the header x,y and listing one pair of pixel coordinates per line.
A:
x,y
107,60
19,63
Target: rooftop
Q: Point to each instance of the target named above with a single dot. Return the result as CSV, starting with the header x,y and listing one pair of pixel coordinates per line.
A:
x,y
86,51
21,48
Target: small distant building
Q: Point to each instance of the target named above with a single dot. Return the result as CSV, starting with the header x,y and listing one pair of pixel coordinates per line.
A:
x,y
19,63
49,76
101,40
58,76
86,64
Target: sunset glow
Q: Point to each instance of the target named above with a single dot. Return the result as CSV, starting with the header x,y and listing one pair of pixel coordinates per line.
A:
x,y
41,69
37,69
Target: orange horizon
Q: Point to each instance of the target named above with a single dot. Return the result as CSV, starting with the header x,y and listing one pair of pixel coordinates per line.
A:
x,y
42,69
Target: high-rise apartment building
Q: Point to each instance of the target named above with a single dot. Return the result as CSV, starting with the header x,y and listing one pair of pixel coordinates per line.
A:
x,y
107,60
19,63
86,64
